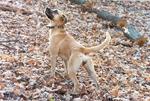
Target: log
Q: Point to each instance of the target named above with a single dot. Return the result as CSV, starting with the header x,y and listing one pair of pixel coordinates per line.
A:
x,y
119,22
128,30
79,2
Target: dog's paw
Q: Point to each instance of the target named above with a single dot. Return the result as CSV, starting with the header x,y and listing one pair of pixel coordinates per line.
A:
x,y
97,86
66,76
78,89
75,91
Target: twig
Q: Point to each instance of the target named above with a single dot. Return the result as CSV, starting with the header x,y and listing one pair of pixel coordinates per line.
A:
x,y
9,41
125,44
8,7
13,8
8,47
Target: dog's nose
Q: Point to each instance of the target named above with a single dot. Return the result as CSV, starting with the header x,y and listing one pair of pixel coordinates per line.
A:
x,y
48,10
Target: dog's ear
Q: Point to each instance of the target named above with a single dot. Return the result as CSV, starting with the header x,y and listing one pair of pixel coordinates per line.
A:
x,y
64,19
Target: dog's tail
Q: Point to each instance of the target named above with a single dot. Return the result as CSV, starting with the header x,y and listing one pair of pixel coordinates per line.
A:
x,y
105,43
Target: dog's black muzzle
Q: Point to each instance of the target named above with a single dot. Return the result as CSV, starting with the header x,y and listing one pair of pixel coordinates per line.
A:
x,y
49,13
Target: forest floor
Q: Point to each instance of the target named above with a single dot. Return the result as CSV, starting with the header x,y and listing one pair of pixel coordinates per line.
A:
x,y
123,67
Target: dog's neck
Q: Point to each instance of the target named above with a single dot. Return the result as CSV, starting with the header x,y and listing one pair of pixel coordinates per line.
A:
x,y
55,28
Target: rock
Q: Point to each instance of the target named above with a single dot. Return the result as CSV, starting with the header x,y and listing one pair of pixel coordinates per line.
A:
x,y
23,79
32,84
85,97
44,94
67,97
8,74
78,99
78,1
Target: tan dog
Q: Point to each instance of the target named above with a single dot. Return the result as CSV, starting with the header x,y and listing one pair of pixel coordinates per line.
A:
x,y
73,53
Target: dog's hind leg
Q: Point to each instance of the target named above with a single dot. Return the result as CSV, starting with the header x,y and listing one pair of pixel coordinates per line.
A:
x,y
91,71
73,65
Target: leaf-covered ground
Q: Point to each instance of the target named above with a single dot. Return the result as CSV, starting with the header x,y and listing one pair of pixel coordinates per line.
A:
x,y
123,68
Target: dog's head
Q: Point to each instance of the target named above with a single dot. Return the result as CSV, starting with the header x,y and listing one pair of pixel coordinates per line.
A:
x,y
56,16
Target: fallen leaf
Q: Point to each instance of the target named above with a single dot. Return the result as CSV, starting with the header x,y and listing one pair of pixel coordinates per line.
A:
x,y
33,62
115,91
2,85
78,99
147,78
32,48
122,23
7,58
28,1
16,90
142,41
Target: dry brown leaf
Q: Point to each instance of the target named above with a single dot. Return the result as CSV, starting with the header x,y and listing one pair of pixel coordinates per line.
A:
x,y
114,41
126,82
142,41
33,62
147,79
88,5
118,34
28,1
2,85
110,63
115,91
94,27
122,23
32,48
7,58
114,80
135,62
16,90
129,73
78,99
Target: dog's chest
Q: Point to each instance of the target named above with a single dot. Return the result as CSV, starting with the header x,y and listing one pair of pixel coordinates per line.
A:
x,y
65,51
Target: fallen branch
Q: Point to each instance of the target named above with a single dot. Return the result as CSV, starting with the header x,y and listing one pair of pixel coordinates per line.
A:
x,y
118,22
121,23
9,41
78,1
10,48
13,8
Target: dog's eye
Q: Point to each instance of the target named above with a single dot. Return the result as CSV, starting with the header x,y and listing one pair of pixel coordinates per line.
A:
x,y
62,17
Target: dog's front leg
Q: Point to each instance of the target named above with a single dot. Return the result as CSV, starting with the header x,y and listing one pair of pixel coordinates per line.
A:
x,y
65,69
53,51
53,64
